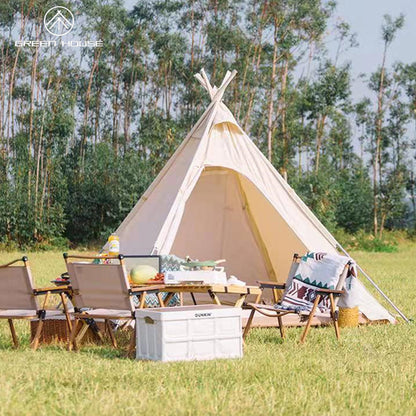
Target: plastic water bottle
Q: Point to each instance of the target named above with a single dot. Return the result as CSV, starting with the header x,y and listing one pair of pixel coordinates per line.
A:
x,y
113,245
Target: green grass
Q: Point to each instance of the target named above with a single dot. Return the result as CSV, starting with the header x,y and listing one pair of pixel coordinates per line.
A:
x,y
370,372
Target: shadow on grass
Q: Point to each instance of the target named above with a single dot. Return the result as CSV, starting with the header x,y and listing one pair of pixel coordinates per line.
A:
x,y
99,349
267,336
292,335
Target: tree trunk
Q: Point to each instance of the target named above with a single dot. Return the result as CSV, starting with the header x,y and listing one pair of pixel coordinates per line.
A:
x,y
320,125
377,156
271,96
87,104
39,149
282,106
256,63
192,36
32,105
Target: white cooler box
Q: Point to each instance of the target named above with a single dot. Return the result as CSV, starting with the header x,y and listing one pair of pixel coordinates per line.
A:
x,y
209,277
184,333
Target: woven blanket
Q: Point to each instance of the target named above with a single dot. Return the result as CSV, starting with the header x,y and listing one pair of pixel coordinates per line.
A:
x,y
315,270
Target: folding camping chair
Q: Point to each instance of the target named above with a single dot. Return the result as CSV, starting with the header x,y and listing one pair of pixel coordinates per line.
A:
x,y
102,291
319,295
18,299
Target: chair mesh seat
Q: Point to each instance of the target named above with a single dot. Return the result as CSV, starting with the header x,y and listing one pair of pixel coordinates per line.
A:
x,y
18,312
29,313
108,313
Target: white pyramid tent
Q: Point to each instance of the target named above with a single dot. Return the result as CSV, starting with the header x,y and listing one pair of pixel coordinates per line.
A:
x,y
219,197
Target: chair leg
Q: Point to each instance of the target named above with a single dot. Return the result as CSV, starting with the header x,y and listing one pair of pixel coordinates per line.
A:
x,y
65,306
311,315
35,341
97,332
125,324
13,332
83,330
281,327
248,324
333,316
275,296
240,301
111,333
38,333
132,344
71,342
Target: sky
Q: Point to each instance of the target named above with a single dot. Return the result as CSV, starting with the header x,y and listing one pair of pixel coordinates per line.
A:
x,y
365,18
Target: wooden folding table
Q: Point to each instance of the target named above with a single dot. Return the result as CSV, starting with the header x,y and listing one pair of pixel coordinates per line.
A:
x,y
213,291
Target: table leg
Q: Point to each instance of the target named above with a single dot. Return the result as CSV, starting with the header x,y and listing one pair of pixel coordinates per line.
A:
x,y
193,298
142,300
168,298
214,297
240,301
160,299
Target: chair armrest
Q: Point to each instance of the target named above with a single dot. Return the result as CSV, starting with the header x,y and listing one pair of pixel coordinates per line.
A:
x,y
269,310
54,289
260,306
271,285
324,291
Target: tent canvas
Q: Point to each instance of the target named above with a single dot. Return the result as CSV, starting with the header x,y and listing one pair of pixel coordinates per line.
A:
x,y
219,197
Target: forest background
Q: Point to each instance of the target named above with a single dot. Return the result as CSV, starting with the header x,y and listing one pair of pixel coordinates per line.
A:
x,y
84,131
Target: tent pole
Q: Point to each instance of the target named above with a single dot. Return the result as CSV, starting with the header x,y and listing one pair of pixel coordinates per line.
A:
x,y
377,287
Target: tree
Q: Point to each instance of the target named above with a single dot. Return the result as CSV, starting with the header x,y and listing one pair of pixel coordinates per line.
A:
x,y
388,30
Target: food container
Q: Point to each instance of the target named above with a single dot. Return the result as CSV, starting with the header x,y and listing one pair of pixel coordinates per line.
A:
x,y
208,277
185,333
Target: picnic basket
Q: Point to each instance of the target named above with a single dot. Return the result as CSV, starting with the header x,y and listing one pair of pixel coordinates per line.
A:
x,y
56,330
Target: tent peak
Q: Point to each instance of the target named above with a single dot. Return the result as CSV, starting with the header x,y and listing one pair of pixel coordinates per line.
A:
x,y
215,93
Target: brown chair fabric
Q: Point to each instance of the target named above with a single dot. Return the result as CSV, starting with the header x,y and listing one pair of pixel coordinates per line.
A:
x,y
100,286
16,288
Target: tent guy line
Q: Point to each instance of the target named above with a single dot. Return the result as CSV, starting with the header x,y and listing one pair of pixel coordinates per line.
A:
x,y
377,287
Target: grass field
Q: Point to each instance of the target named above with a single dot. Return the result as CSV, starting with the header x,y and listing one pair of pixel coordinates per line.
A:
x,y
371,371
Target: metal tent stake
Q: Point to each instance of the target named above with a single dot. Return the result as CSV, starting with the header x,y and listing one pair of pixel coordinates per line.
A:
x,y
377,287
